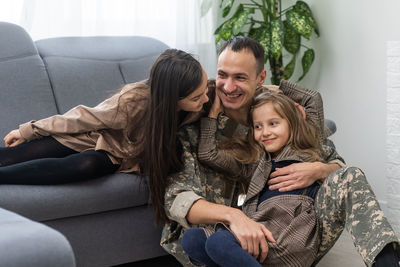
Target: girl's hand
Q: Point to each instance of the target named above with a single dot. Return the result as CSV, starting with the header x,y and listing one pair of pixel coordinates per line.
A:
x,y
216,108
301,110
13,138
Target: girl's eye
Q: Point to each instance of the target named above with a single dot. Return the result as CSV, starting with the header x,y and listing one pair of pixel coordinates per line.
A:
x,y
274,123
257,126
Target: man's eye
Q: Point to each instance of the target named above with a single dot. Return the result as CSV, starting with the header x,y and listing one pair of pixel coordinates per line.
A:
x,y
240,78
221,75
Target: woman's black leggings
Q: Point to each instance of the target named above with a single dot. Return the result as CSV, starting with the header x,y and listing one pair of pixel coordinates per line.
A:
x,y
45,161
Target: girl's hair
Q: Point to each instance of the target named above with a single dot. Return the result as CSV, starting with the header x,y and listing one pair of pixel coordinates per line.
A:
x,y
303,136
174,75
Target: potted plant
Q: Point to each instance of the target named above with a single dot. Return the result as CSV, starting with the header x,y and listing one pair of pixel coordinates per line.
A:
x,y
279,31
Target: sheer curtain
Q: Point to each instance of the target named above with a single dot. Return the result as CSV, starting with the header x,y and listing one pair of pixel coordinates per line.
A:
x,y
175,22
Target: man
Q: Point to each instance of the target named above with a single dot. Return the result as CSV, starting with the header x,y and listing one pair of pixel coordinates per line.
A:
x,y
199,196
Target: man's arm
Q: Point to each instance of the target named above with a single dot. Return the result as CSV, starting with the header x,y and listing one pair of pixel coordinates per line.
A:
x,y
188,202
250,234
300,175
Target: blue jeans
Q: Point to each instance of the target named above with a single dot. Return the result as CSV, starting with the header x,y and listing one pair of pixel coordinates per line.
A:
x,y
220,249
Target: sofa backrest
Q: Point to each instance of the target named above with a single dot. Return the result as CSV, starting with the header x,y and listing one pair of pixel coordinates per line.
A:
x,y
87,70
25,90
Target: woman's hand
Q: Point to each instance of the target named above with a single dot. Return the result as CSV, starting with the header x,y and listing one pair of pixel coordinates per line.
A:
x,y
251,235
13,138
216,107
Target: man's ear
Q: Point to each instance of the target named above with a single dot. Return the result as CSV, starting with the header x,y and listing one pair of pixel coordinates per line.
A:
x,y
261,77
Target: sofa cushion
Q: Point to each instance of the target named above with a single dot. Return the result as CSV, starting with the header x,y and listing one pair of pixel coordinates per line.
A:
x,y
86,70
24,88
82,81
27,243
50,202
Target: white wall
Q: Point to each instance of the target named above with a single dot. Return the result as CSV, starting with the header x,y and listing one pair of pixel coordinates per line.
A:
x,y
350,72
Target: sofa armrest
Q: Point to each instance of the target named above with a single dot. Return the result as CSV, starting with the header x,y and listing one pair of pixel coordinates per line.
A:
x,y
27,243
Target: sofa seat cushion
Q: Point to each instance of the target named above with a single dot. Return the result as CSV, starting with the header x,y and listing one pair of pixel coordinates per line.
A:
x,y
49,202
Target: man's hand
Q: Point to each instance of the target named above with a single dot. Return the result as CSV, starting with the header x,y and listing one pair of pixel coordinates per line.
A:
x,y
251,235
13,138
299,175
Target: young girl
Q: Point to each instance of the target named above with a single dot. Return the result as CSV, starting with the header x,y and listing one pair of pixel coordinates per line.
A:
x,y
279,136
136,125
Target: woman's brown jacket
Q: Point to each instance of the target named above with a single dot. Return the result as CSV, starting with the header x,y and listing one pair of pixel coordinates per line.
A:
x,y
116,126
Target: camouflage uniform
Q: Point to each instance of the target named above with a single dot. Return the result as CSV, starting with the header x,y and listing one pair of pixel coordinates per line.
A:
x,y
345,199
341,200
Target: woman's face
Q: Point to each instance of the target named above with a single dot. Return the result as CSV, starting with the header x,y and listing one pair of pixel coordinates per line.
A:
x,y
194,102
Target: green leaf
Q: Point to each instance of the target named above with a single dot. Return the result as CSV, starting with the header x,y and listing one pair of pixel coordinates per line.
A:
x,y
205,7
241,20
291,39
264,38
227,8
303,8
307,61
289,68
224,31
299,23
276,38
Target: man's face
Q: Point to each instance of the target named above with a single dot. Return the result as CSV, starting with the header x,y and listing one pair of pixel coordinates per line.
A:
x,y
237,78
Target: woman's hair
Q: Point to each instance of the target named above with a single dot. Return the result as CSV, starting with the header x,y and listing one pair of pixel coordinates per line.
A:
x,y
303,135
174,75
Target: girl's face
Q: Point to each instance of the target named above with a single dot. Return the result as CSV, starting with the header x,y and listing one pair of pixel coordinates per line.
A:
x,y
194,102
270,129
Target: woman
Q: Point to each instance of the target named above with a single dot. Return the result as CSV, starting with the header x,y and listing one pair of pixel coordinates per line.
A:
x,y
87,143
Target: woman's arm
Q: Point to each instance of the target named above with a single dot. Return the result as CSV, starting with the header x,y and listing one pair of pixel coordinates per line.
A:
x,y
110,114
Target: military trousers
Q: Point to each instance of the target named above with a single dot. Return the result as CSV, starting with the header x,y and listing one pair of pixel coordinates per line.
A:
x,y
346,200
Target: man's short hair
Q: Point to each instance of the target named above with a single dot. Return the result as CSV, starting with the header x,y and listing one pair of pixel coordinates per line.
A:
x,y
239,43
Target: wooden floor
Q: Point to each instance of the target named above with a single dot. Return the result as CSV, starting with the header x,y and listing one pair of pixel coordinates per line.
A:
x,y
343,254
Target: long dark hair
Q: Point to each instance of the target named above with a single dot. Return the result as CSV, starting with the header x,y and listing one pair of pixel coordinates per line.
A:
x,y
174,75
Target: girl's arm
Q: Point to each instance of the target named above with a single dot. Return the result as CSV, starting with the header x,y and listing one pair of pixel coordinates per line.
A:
x,y
208,153
310,100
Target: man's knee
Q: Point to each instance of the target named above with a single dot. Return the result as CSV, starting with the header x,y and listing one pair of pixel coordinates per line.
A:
x,y
345,177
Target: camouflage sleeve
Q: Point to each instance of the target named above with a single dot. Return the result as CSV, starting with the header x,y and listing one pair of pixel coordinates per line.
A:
x,y
331,156
184,187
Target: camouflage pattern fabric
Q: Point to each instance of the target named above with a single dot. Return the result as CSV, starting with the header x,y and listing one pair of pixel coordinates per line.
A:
x,y
345,199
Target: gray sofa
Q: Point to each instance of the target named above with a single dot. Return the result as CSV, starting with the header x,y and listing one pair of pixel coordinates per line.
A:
x,y
106,221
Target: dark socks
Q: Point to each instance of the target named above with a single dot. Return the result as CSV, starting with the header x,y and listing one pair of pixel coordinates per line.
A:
x,y
388,257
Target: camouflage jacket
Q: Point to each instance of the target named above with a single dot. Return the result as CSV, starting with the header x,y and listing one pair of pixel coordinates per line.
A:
x,y
197,181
